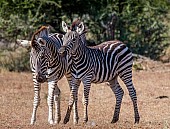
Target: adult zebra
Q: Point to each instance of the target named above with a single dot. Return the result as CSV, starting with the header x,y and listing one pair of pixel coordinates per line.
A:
x,y
47,65
102,63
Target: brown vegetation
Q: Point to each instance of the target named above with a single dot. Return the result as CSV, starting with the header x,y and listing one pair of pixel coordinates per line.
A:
x,y
153,91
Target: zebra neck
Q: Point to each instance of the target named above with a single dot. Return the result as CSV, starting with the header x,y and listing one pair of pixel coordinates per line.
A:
x,y
81,51
55,60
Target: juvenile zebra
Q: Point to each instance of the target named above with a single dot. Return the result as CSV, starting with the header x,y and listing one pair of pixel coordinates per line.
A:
x,y
47,65
102,63
39,68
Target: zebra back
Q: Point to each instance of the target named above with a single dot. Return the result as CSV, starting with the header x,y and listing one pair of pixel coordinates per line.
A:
x,y
103,61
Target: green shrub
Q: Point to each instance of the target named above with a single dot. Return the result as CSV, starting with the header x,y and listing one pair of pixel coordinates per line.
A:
x,y
14,60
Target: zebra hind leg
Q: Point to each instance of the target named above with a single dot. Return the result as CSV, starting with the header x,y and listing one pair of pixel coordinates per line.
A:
x,y
118,91
73,100
127,79
75,111
57,105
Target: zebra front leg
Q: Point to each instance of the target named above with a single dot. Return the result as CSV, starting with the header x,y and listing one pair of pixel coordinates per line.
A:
x,y
114,85
127,79
36,103
87,85
75,111
50,100
73,100
57,105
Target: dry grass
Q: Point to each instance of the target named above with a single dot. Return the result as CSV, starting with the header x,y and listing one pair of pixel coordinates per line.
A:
x,y
16,95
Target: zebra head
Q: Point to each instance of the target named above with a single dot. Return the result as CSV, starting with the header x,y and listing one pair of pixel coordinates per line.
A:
x,y
39,55
71,38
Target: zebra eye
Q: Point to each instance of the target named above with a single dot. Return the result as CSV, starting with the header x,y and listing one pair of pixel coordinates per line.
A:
x,y
74,39
41,54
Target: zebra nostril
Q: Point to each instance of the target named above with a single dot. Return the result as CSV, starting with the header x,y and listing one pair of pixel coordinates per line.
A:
x,y
63,54
62,51
39,78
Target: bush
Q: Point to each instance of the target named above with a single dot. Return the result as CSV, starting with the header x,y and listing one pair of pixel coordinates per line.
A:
x,y
14,60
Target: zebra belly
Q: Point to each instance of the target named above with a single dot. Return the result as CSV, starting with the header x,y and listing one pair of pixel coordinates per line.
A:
x,y
103,76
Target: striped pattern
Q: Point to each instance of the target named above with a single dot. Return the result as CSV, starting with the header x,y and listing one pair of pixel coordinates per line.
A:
x,y
47,66
102,63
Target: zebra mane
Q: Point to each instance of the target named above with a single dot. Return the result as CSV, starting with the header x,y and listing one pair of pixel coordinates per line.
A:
x,y
38,33
75,24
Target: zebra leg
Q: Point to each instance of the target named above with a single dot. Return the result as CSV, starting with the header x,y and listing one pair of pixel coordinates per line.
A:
x,y
50,101
75,111
87,85
118,91
73,99
36,103
127,79
57,105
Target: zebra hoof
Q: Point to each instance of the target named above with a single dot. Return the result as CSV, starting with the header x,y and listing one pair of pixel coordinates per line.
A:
x,y
76,121
57,121
114,120
85,120
137,120
51,122
32,122
66,120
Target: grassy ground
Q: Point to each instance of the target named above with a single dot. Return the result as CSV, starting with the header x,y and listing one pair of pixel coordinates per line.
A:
x,y
16,97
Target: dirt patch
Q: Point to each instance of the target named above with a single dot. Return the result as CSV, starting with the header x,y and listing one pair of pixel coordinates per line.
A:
x,y
153,91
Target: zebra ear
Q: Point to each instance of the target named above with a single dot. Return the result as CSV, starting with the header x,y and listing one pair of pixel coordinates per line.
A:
x,y
64,26
80,28
24,43
44,31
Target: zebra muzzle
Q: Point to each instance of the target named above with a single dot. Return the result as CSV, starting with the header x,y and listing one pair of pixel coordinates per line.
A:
x,y
62,51
41,78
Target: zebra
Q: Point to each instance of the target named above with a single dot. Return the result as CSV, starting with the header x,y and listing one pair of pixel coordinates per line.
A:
x,y
47,65
98,64
40,71
39,68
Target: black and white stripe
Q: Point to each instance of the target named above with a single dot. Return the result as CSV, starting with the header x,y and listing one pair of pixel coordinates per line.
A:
x,y
102,63
39,70
47,66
